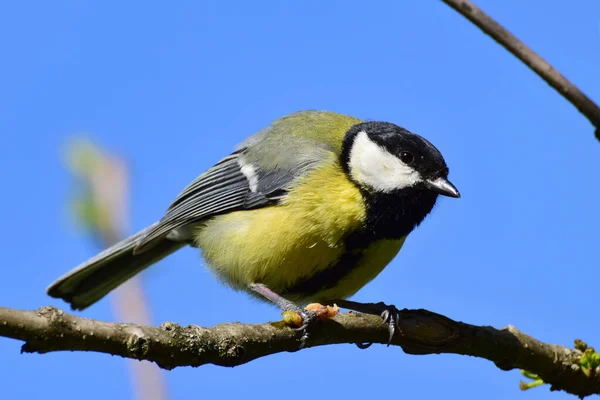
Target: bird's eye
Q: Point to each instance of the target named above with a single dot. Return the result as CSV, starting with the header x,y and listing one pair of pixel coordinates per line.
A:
x,y
407,157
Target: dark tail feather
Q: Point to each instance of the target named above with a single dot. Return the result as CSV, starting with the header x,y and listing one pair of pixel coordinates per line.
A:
x,y
95,278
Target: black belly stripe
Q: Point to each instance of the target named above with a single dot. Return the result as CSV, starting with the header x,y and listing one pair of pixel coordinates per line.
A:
x,y
327,278
355,246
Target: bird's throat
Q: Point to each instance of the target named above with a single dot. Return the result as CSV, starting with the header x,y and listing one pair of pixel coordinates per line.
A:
x,y
394,215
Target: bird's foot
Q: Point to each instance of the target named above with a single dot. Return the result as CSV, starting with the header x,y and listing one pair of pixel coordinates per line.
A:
x,y
389,313
293,315
391,317
302,320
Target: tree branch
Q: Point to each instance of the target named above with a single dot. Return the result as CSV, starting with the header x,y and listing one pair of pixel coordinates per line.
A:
x,y
170,345
554,78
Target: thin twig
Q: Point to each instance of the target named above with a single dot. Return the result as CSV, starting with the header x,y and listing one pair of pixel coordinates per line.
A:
x,y
49,329
554,78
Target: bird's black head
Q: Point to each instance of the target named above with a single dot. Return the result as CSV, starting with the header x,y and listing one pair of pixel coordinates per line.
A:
x,y
400,174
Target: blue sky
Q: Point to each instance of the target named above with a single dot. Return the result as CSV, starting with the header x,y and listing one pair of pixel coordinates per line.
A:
x,y
172,88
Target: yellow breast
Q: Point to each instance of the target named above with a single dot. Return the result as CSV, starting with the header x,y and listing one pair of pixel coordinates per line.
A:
x,y
285,244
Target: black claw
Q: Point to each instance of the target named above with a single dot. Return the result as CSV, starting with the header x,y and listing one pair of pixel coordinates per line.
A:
x,y
389,314
363,346
308,319
386,316
391,317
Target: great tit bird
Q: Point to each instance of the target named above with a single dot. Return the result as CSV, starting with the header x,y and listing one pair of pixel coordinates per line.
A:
x,y
310,209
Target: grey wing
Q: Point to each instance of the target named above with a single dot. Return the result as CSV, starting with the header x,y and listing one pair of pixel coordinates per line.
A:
x,y
232,184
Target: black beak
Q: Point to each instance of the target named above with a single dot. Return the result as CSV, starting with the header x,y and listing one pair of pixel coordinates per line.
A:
x,y
442,186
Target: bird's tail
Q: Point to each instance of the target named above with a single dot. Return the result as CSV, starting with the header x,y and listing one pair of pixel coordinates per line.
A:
x,y
95,278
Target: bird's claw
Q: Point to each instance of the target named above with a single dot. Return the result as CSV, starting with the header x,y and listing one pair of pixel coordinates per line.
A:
x,y
308,319
303,319
391,317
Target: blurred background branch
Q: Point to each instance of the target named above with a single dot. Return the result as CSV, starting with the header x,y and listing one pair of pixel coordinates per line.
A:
x,y
101,207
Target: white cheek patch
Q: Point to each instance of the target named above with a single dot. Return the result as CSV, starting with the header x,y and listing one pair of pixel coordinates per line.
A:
x,y
250,173
371,165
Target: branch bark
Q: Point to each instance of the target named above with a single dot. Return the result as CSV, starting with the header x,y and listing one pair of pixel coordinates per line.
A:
x,y
510,42
170,345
